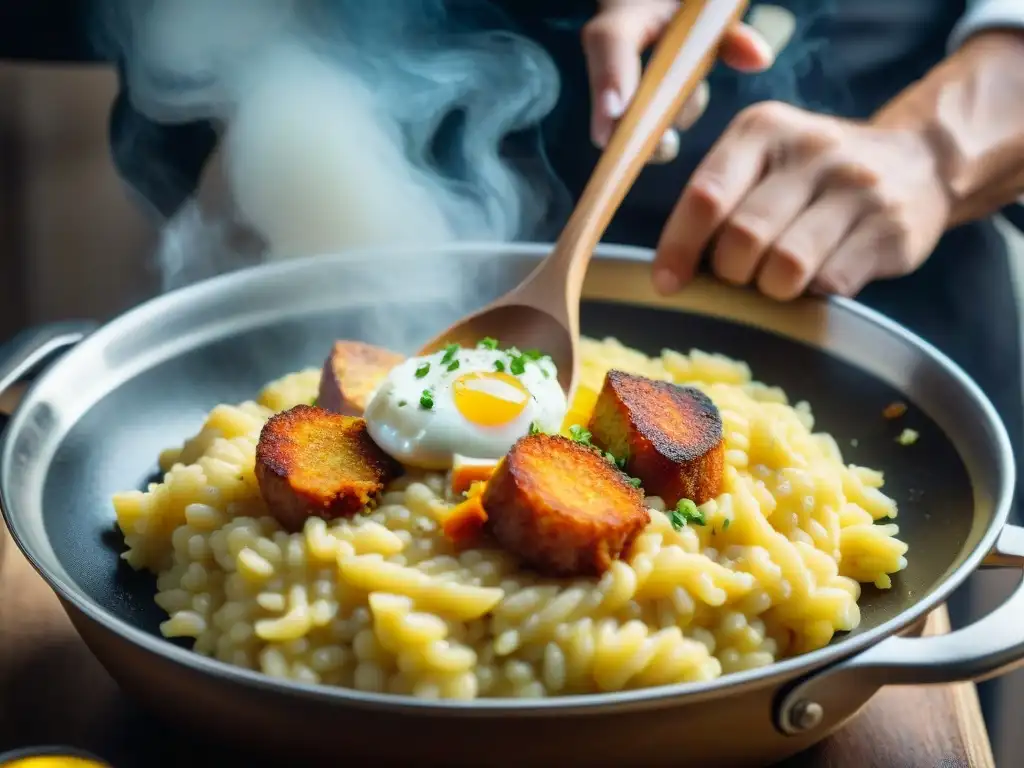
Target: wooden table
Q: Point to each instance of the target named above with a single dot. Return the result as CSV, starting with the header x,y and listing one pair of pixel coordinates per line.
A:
x,y
53,692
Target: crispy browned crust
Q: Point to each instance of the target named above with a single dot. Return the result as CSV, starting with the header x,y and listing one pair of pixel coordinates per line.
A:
x,y
351,373
670,436
562,507
310,461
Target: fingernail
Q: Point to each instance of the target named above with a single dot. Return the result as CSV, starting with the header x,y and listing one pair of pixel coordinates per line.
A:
x,y
665,281
609,109
694,106
611,103
776,25
667,149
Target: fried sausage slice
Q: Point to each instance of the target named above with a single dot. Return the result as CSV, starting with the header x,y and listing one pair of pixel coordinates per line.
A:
x,y
562,507
310,461
670,436
350,374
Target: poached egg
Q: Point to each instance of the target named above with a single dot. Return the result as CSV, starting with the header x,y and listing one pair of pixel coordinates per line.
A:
x,y
467,402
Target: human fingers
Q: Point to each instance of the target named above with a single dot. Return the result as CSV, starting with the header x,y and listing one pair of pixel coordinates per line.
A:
x,y
749,48
723,179
771,206
612,44
798,254
745,49
853,264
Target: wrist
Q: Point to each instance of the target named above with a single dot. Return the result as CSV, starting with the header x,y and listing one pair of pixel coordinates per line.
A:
x,y
969,113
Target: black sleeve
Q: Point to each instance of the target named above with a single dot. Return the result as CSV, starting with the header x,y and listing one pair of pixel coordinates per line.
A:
x,y
1015,215
47,30
162,163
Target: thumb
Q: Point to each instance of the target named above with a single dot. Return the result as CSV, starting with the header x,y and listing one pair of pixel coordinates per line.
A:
x,y
612,43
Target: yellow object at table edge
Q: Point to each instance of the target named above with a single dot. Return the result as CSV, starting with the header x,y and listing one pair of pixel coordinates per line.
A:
x,y
49,758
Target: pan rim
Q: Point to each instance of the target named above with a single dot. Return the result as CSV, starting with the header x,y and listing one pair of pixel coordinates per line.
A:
x,y
75,598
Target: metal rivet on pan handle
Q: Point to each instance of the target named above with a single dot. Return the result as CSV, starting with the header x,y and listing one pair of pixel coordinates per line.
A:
x,y
802,715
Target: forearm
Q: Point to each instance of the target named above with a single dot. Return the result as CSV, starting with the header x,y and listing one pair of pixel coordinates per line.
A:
x,y
970,109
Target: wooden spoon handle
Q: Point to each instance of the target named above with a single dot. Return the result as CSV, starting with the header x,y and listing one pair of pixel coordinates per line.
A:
x,y
682,59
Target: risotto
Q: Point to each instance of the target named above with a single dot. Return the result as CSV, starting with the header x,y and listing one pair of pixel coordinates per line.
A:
x,y
384,602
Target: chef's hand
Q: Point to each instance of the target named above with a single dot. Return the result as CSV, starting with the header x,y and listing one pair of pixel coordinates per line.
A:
x,y
789,200
613,42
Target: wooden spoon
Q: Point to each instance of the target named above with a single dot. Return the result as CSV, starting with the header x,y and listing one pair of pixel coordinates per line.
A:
x,y
543,311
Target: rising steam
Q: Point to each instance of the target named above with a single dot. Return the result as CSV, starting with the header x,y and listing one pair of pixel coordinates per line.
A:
x,y
342,123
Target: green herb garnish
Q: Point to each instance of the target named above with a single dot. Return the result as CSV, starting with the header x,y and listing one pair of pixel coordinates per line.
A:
x,y
314,401
686,512
427,399
453,366
580,435
725,525
517,365
487,343
423,370
533,354
402,403
499,366
534,429
449,353
635,482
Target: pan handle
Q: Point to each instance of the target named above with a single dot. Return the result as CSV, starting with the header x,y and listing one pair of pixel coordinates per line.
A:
x,y
26,352
987,648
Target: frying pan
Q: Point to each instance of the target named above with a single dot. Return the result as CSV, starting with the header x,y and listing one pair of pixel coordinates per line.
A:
x,y
95,420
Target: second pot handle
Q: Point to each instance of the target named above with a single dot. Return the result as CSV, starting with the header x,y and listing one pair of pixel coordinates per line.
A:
x,y
984,649
31,348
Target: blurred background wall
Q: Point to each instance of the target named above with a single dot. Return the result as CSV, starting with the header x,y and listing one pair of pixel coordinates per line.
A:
x,y
72,244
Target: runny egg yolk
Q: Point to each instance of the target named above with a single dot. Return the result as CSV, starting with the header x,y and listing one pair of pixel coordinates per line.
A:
x,y
489,399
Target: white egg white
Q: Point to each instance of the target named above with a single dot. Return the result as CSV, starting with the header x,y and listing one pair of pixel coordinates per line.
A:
x,y
400,421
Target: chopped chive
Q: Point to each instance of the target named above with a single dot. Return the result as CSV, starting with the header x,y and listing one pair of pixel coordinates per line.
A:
x,y
533,354
499,366
427,399
517,365
635,482
535,429
488,343
423,370
579,434
449,353
314,401
686,512
453,365
725,525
